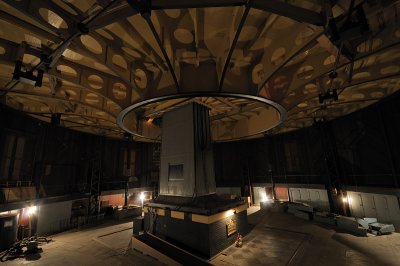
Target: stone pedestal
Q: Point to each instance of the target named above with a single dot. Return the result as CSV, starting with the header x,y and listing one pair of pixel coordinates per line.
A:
x,y
201,234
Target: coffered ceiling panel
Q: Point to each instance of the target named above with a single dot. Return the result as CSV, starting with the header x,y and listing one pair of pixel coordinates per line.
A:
x,y
261,67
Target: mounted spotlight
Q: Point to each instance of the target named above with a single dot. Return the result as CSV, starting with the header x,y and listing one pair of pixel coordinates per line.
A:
x,y
27,77
31,210
329,96
149,120
141,197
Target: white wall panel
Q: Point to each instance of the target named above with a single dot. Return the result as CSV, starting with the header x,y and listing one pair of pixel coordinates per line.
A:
x,y
305,195
53,217
368,201
295,195
356,205
259,194
317,198
381,206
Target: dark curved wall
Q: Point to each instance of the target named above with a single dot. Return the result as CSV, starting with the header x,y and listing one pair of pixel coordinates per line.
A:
x,y
58,160
360,149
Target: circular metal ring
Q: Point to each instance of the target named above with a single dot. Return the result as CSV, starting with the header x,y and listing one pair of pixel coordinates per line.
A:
x,y
121,116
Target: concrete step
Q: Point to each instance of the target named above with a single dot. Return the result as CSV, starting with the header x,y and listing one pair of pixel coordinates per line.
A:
x,y
165,251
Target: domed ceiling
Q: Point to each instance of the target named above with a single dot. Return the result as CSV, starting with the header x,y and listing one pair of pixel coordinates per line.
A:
x,y
261,67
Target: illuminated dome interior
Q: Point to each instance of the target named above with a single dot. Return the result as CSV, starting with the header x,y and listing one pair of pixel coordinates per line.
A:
x,y
261,67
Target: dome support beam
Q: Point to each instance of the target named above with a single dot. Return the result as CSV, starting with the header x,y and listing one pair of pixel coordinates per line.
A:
x,y
290,11
297,87
80,69
115,14
144,8
50,98
365,81
233,45
56,54
306,46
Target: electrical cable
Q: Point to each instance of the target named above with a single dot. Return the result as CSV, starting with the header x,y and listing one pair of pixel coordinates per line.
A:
x,y
16,250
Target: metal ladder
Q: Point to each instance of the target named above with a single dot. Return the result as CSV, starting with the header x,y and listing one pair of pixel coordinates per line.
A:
x,y
95,180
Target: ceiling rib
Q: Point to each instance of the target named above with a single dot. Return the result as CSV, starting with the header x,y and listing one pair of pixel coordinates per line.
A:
x,y
20,22
27,7
115,14
377,51
57,53
12,47
83,125
233,45
396,75
310,64
148,50
164,52
288,59
290,11
58,99
227,102
118,51
237,111
331,104
268,22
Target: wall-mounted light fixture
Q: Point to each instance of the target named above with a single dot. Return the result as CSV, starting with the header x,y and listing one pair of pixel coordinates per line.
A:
x,y
141,197
31,210
149,120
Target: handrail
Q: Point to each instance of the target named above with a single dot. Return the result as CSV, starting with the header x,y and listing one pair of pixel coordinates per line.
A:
x,y
16,183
